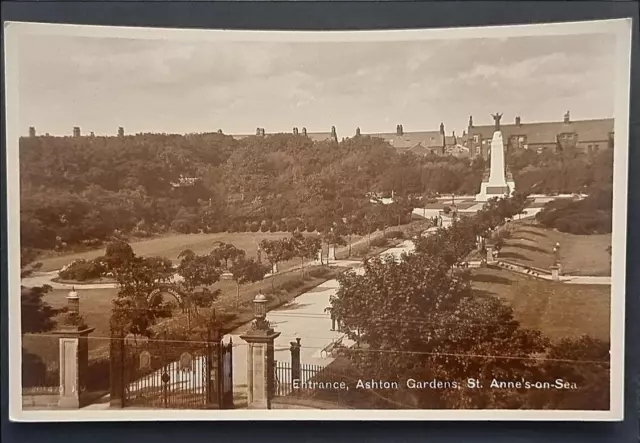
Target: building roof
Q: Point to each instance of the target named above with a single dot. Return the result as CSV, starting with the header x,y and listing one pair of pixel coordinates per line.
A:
x,y
547,132
411,139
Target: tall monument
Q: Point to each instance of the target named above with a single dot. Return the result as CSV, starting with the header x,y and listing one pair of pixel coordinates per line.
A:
x,y
496,185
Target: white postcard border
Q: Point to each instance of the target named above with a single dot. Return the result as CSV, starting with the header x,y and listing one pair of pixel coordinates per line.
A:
x,y
620,27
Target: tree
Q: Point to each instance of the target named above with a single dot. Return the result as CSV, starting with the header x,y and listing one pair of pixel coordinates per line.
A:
x,y
133,310
198,272
305,247
582,360
225,252
36,315
419,320
332,237
277,251
117,254
247,271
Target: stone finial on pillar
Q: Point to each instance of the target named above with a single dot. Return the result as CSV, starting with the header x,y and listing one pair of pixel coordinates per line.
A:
x,y
260,357
74,355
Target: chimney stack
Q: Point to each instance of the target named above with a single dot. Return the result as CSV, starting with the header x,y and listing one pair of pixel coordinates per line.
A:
x,y
219,131
76,131
262,132
295,131
471,121
120,131
257,131
441,128
399,130
304,131
32,131
567,118
518,120
334,134
92,134
358,132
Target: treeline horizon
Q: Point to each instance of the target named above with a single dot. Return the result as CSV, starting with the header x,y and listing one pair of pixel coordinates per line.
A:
x,y
83,191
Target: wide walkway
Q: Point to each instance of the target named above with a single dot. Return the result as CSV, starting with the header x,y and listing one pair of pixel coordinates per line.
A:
x,y
305,318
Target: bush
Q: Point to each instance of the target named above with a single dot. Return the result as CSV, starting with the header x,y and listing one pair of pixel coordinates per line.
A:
x,y
265,227
379,242
290,285
394,234
83,270
318,272
310,227
273,228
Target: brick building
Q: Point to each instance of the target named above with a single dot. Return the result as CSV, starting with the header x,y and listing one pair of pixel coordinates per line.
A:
x,y
586,135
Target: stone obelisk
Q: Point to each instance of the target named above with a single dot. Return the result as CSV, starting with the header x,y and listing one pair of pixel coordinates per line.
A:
x,y
496,185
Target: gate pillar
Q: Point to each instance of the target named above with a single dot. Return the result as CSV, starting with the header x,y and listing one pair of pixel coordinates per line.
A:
x,y
74,356
295,360
260,358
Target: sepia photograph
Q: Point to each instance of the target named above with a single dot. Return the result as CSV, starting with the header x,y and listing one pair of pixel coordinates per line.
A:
x,y
378,225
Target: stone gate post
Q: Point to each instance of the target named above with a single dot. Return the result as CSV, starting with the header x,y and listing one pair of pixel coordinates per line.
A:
x,y
489,248
332,253
295,359
74,356
260,358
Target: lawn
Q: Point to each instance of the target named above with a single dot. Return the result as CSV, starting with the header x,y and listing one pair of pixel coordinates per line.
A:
x,y
95,307
579,254
557,309
171,246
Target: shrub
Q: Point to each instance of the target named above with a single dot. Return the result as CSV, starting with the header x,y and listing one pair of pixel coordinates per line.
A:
x,y
254,227
265,227
318,272
273,228
290,285
394,234
82,270
379,242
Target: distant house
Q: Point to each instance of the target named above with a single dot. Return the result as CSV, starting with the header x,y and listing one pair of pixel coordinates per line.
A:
x,y
586,135
419,143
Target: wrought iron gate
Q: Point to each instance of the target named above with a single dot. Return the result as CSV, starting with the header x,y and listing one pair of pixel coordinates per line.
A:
x,y
167,372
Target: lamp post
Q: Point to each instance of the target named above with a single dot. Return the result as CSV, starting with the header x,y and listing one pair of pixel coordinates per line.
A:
x,y
260,358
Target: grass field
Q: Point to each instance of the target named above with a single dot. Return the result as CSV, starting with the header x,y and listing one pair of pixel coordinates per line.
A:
x,y
95,307
579,254
557,309
171,246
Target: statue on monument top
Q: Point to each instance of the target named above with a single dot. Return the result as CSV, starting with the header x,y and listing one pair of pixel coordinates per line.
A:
x,y
496,118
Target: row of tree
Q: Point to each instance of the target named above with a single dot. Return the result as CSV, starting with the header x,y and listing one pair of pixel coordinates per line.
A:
x,y
85,190
420,318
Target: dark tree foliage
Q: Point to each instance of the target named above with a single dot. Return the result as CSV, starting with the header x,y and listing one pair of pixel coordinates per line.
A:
x,y
36,315
419,319
583,361
81,191
591,215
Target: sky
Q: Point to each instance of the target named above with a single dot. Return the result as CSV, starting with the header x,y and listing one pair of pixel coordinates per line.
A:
x,y
169,86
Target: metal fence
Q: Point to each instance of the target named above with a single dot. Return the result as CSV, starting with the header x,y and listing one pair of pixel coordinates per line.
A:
x,y
305,379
